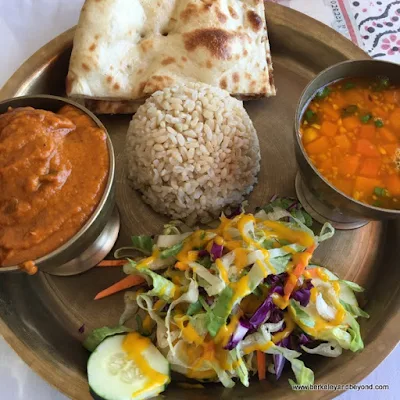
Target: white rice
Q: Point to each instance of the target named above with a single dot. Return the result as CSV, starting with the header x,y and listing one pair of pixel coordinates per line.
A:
x,y
192,150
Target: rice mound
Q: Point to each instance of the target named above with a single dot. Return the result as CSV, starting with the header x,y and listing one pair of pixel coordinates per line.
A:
x,y
192,150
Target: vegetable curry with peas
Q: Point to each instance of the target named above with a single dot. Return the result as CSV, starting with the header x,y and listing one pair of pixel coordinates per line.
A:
x,y
351,133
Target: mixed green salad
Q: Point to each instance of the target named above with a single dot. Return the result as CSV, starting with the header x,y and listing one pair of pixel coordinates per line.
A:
x,y
224,303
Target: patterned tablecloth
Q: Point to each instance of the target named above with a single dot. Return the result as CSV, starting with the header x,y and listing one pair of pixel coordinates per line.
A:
x,y
26,25
371,24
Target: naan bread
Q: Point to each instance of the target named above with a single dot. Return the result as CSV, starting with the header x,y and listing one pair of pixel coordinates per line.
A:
x,y
125,50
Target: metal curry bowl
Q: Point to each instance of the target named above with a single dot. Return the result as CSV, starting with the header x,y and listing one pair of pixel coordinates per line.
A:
x,y
98,235
323,201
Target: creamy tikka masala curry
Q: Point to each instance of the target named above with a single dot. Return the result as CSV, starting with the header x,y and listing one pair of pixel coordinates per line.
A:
x,y
53,172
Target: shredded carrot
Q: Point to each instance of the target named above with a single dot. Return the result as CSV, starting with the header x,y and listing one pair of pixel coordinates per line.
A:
x,y
125,283
111,263
297,272
261,367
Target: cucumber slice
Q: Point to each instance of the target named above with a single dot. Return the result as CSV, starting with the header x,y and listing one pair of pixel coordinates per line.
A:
x,y
127,367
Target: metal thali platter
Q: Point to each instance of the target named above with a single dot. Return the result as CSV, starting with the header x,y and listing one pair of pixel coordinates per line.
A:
x,y
40,316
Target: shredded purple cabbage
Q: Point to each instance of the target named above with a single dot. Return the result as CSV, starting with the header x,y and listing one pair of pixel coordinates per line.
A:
x,y
274,280
278,290
241,330
279,360
303,339
216,251
82,329
276,315
303,294
203,253
262,313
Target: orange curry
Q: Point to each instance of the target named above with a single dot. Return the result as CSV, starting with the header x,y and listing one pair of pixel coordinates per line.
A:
x,y
53,172
351,133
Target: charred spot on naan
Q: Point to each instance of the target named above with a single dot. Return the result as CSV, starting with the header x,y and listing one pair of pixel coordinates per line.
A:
x,y
220,15
146,45
216,41
157,82
168,60
85,67
255,20
233,12
188,12
223,84
92,47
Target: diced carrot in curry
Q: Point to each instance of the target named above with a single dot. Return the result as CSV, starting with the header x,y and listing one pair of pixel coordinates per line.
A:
x,y
353,96
348,165
366,148
329,128
387,135
370,167
390,149
330,113
392,96
393,185
367,131
343,142
320,145
351,123
326,165
366,185
345,185
394,120
380,112
358,141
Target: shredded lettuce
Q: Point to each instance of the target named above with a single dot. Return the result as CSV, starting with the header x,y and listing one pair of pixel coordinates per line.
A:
x,y
212,284
241,368
131,307
356,342
355,311
143,243
304,375
353,286
162,287
191,296
330,349
301,314
194,308
216,317
165,241
98,335
171,251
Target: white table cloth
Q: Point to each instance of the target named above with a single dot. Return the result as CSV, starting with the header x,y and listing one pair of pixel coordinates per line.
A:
x,y
26,25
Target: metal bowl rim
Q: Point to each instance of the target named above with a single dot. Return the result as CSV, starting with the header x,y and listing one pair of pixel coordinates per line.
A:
x,y
299,114
107,189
